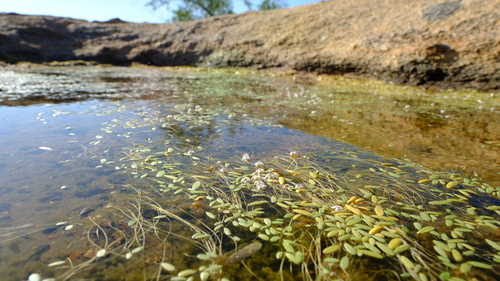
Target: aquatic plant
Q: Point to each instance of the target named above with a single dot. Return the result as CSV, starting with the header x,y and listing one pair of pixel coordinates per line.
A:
x,y
329,216
371,220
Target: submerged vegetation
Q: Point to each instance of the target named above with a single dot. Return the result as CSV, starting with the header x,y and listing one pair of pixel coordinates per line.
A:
x,y
319,216
372,220
208,182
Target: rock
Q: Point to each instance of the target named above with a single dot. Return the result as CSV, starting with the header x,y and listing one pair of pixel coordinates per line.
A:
x,y
90,253
422,42
4,211
75,256
441,11
243,253
115,20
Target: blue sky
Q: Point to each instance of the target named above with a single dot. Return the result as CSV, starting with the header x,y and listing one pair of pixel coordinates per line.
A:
x,y
102,10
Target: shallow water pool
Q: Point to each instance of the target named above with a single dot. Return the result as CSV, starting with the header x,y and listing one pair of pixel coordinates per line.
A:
x,y
99,163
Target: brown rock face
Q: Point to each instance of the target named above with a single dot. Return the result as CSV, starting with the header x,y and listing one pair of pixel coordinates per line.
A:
x,y
442,43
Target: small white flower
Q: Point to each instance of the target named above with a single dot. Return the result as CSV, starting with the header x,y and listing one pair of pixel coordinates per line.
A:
x,y
336,208
256,178
258,171
299,185
260,185
190,152
245,158
270,176
259,164
245,180
293,154
223,170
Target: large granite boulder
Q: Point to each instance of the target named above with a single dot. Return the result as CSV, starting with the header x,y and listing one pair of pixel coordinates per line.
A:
x,y
419,42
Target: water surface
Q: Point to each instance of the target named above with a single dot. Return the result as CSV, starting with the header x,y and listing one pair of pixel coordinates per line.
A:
x,y
71,138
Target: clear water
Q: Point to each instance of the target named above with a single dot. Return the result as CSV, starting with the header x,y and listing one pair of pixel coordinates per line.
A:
x,y
64,132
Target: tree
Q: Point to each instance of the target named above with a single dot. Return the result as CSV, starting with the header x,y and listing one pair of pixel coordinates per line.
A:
x,y
272,4
196,9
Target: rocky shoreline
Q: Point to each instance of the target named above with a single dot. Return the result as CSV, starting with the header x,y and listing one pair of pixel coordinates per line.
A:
x,y
448,44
